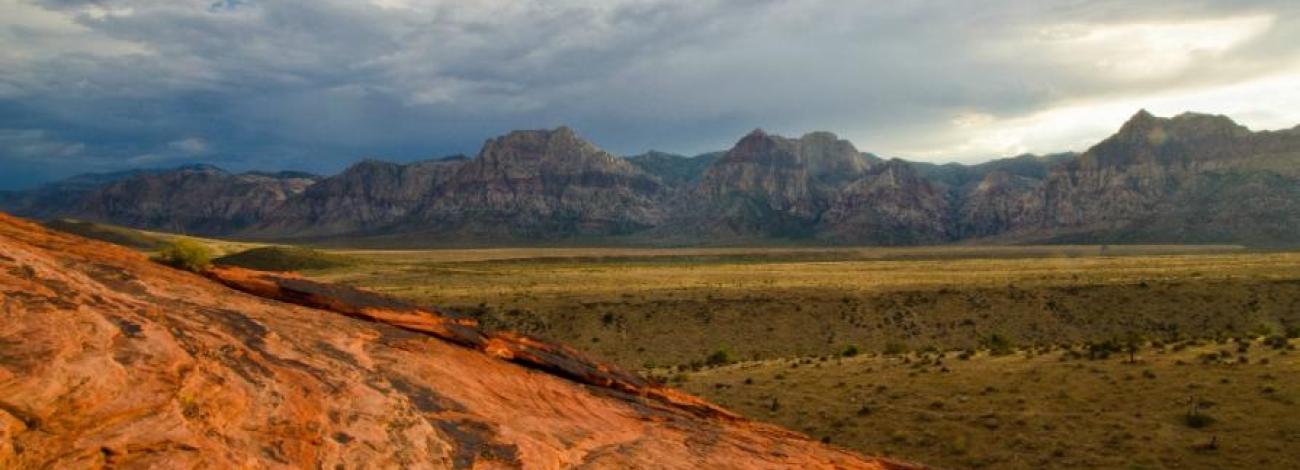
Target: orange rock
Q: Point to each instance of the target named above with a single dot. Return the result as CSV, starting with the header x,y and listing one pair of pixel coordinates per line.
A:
x,y
107,359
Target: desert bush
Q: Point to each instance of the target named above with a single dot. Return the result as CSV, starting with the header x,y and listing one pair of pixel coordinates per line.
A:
x,y
1194,418
998,345
1132,343
720,357
1197,420
1103,349
850,351
185,254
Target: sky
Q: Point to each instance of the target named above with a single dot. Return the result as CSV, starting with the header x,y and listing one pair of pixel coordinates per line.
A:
x,y
315,85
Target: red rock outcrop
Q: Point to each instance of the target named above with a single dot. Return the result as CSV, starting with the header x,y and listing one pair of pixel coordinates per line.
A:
x,y
108,360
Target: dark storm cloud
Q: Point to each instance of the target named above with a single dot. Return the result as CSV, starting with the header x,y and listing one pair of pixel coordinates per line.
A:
x,y
101,85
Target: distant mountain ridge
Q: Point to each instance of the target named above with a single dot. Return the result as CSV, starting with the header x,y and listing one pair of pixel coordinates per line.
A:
x,y
1191,178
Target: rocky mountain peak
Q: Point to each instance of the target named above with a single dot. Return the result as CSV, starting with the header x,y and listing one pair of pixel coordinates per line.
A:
x,y
1147,129
761,148
831,159
1206,125
1149,140
1140,117
540,150
1139,128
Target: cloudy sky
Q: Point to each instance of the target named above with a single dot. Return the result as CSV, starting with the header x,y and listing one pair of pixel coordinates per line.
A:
x,y
316,84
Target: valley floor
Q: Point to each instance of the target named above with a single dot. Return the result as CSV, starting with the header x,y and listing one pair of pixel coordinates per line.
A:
x,y
1032,410
766,333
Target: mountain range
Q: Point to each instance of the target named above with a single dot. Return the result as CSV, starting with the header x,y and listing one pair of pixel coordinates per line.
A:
x,y
1192,178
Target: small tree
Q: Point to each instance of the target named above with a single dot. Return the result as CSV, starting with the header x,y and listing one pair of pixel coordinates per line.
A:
x,y
1132,344
1194,418
999,345
185,254
720,357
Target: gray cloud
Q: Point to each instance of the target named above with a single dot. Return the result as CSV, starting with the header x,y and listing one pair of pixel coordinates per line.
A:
x,y
317,84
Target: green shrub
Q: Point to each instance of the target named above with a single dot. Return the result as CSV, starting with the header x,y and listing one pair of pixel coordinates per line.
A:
x,y
720,357
186,254
850,351
1194,418
1197,420
999,345
1132,343
1103,349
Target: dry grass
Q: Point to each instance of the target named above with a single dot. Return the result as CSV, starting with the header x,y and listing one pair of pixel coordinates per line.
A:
x,y
1035,411
678,306
671,312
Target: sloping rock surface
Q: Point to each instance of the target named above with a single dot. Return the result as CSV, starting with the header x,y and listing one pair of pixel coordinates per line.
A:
x,y
110,361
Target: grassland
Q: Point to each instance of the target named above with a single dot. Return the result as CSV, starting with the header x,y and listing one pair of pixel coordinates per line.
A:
x,y
1033,410
671,308
750,328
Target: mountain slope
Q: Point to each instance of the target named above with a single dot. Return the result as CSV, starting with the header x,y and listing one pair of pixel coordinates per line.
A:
x,y
542,184
1229,185
366,197
198,199
675,171
526,185
109,360
60,197
770,186
892,205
